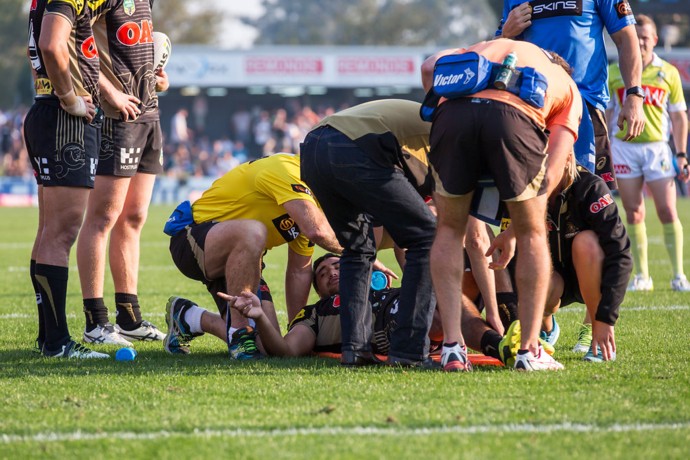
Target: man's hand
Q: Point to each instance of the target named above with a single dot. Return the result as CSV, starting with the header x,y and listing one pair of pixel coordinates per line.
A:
x,y
504,242
684,174
247,304
633,114
603,337
162,83
79,106
390,274
126,104
517,21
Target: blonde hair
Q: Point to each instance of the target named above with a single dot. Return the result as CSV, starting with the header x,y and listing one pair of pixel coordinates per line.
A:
x,y
644,20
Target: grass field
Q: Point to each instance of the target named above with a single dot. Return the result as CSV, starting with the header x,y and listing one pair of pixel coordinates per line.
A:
x,y
203,405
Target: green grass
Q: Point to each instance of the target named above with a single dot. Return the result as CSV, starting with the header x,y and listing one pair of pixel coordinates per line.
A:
x,y
203,405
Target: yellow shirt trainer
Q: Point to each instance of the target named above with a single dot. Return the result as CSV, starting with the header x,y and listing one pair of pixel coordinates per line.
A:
x,y
257,190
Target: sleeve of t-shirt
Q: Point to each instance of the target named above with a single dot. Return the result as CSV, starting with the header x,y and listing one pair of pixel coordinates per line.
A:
x,y
66,8
307,318
615,14
568,112
676,99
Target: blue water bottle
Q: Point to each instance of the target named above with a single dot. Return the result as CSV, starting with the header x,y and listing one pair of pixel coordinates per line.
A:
x,y
379,280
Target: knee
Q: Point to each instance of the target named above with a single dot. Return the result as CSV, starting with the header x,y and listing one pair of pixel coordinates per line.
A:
x,y
666,214
586,247
134,218
253,235
102,220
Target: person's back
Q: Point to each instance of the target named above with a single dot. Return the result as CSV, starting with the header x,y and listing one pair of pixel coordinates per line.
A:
x,y
257,190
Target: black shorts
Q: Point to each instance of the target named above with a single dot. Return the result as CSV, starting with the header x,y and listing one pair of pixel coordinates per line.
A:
x,y
129,148
187,251
602,145
472,138
63,148
571,286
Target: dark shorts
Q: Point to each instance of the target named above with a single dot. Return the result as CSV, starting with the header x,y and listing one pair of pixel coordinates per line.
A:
x,y
473,138
571,286
63,148
130,148
187,251
603,161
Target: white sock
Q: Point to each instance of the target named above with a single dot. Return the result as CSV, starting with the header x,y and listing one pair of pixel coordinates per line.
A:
x,y
193,317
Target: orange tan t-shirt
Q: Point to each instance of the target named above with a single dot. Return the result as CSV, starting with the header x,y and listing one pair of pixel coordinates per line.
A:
x,y
562,104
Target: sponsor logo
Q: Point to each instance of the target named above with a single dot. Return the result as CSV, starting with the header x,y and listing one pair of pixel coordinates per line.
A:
x,y
131,33
33,4
129,156
601,203
43,87
299,188
287,227
89,49
653,95
607,177
93,166
128,7
622,169
395,307
623,9
601,163
42,167
542,9
336,301
445,80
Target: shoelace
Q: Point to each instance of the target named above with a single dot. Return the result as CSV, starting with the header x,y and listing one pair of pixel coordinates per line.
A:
x,y
247,343
584,332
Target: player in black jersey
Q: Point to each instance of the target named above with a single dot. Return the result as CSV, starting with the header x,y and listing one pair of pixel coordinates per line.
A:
x,y
62,137
590,252
130,158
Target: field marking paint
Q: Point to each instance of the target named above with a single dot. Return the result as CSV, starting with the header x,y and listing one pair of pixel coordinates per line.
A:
x,y
161,314
339,431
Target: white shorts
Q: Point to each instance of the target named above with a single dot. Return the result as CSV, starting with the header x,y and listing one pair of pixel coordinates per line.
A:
x,y
653,160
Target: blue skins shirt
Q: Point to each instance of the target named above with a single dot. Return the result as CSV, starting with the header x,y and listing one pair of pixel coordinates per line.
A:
x,y
575,30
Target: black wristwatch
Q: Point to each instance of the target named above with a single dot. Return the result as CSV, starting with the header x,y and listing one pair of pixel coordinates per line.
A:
x,y
635,91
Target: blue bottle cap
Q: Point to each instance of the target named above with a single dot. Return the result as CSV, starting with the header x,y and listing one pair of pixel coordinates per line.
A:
x,y
125,354
379,280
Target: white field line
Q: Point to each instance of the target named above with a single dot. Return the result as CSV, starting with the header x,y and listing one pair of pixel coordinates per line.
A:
x,y
572,310
29,244
342,431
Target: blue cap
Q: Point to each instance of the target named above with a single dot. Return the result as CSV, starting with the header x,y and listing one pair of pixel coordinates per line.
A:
x,y
379,280
125,354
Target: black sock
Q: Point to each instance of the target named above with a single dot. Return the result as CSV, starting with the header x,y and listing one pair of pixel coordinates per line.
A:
x,y
52,282
128,314
37,291
96,313
490,343
507,307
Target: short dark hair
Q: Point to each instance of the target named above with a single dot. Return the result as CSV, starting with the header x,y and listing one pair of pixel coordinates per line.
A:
x,y
316,264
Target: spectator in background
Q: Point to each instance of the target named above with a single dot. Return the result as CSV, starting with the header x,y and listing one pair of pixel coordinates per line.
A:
x,y
179,131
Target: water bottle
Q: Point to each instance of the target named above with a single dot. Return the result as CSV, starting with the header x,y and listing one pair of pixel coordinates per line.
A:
x,y
506,72
379,280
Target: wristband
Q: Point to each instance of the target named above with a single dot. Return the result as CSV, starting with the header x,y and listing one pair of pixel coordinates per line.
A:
x,y
69,98
681,155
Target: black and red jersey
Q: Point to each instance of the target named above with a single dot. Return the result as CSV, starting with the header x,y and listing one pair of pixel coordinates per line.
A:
x,y
323,318
84,62
588,205
124,34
